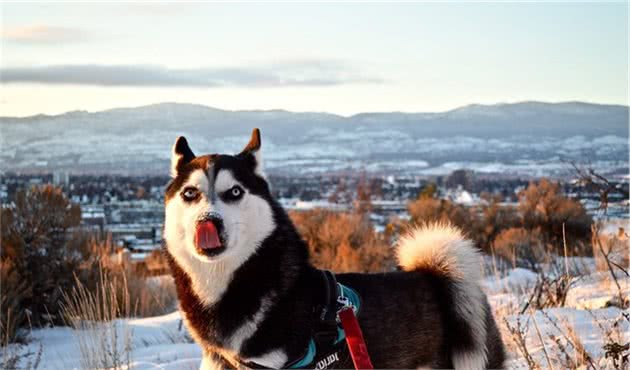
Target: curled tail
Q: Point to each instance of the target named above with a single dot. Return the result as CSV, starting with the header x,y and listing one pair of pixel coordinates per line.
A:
x,y
442,250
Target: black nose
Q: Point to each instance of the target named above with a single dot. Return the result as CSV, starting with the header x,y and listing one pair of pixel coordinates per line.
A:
x,y
213,217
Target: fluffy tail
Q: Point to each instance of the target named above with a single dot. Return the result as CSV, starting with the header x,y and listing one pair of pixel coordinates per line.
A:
x,y
442,250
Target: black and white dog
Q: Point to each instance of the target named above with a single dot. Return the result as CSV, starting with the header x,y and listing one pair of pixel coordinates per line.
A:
x,y
249,295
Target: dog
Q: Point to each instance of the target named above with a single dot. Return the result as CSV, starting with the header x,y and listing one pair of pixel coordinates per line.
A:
x,y
251,299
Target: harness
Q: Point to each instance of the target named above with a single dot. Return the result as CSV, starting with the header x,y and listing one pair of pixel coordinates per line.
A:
x,y
337,341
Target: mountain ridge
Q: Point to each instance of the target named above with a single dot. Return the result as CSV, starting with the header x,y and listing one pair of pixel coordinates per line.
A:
x,y
536,103
501,137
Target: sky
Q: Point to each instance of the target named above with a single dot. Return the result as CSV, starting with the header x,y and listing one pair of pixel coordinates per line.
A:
x,y
341,58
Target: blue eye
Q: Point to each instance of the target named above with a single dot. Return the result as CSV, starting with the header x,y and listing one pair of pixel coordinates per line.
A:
x,y
190,194
232,194
236,192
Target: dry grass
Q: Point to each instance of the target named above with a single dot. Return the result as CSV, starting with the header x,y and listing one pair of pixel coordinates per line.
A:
x,y
20,357
93,312
517,341
149,296
104,341
560,345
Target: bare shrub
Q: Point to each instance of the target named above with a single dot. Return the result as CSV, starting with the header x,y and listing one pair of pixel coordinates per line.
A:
x,y
343,242
549,292
104,341
518,336
34,242
427,209
492,217
573,353
615,247
542,210
521,247
616,349
542,206
13,292
604,248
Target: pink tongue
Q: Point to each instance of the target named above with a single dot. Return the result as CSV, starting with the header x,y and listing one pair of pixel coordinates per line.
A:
x,y
207,236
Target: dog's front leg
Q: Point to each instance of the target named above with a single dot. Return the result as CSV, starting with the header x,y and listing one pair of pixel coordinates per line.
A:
x,y
214,361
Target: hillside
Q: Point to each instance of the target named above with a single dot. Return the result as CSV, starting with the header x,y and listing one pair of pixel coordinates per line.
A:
x,y
531,138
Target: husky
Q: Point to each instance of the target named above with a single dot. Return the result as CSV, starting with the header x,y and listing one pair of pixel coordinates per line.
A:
x,y
251,299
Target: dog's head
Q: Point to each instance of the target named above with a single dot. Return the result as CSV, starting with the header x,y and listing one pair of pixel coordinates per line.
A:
x,y
218,206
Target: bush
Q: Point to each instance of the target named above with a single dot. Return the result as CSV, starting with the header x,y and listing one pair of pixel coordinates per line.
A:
x,y
34,243
427,210
540,216
492,218
543,207
13,292
521,247
343,242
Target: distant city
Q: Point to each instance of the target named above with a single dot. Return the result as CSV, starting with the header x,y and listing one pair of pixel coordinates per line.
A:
x,y
130,208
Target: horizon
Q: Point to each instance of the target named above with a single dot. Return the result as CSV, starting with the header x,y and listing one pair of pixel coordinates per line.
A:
x,y
420,57
502,103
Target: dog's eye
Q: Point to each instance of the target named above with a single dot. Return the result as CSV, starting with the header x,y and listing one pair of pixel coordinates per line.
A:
x,y
236,191
190,194
233,193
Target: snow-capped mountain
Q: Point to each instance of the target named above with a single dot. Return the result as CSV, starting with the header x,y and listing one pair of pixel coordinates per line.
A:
x,y
525,138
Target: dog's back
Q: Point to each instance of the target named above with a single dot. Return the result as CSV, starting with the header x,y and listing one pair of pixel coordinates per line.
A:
x,y
433,313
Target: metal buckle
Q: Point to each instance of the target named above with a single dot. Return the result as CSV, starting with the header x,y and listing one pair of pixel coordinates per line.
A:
x,y
344,302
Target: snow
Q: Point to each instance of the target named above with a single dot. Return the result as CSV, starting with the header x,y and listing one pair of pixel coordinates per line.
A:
x,y
518,279
489,138
158,343
162,342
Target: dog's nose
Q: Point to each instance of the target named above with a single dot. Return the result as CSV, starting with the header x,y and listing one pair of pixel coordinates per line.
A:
x,y
211,216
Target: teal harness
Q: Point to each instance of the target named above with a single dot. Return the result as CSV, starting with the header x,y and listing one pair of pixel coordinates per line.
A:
x,y
327,348
312,355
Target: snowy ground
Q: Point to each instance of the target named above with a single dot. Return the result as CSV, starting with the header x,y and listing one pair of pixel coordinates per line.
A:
x,y
162,342
587,312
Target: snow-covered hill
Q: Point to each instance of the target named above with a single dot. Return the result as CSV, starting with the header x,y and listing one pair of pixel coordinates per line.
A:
x,y
526,138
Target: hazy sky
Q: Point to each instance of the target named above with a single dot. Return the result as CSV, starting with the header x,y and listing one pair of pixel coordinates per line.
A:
x,y
340,58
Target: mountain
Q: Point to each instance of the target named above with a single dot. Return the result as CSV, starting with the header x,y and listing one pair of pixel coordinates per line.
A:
x,y
532,138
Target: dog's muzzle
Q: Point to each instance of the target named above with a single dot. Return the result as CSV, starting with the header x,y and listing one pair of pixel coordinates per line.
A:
x,y
209,231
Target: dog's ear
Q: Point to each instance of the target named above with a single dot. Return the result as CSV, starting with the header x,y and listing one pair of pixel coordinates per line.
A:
x,y
252,150
180,156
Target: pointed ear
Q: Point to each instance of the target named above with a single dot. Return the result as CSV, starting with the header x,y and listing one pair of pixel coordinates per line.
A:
x,y
253,148
180,156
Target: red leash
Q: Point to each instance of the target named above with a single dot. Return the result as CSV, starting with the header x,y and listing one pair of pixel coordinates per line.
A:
x,y
354,338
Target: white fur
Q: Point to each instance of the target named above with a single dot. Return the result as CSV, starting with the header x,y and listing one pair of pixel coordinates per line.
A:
x,y
250,327
273,360
443,249
175,157
208,363
247,223
441,246
259,170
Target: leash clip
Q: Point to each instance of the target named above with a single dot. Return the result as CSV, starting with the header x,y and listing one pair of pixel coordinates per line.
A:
x,y
343,303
